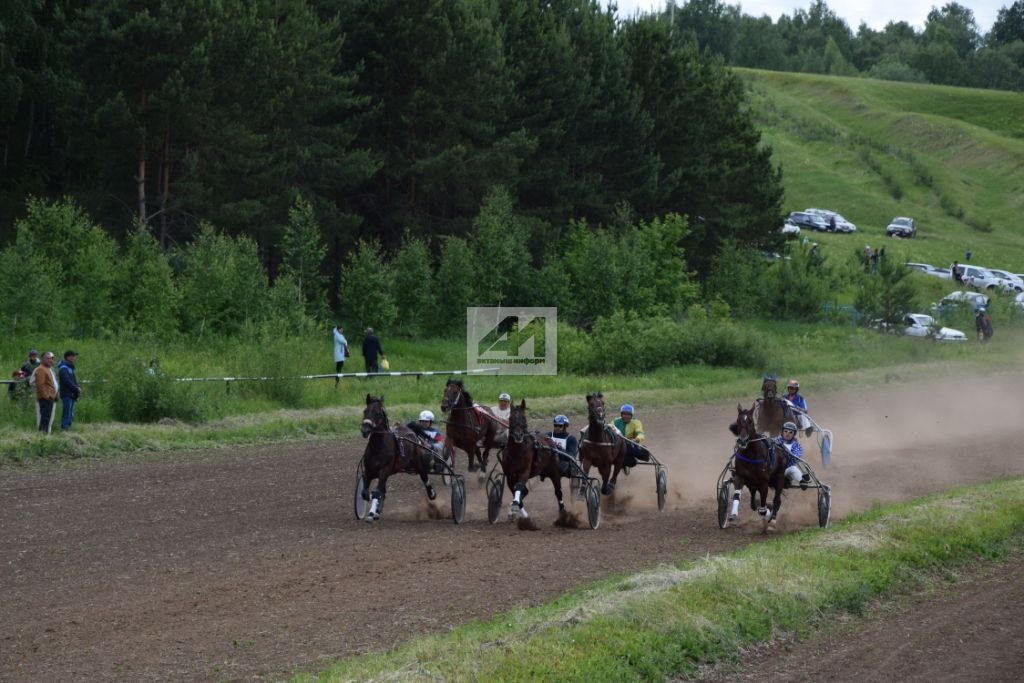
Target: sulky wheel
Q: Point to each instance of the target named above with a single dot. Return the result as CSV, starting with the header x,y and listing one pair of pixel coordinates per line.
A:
x,y
661,482
724,498
361,505
593,505
495,491
824,505
458,499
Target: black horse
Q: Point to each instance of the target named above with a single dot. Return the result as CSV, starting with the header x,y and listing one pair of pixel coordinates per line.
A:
x,y
758,466
528,455
601,447
389,450
470,428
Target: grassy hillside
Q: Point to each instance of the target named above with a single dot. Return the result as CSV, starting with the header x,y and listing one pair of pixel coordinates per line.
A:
x,y
951,158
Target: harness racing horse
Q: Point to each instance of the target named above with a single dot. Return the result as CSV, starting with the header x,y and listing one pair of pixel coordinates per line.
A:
x,y
527,455
389,451
771,410
601,446
757,466
468,429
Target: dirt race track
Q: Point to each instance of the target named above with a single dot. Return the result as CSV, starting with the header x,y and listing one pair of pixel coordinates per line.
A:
x,y
249,563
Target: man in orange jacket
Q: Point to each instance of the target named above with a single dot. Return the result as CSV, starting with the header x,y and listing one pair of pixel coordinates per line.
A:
x,y
45,381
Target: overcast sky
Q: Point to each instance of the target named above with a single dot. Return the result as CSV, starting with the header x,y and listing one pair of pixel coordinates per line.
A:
x,y
875,13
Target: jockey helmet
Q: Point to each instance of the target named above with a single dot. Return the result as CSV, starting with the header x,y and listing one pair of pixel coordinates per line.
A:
x,y
504,397
789,426
792,384
561,420
426,416
626,408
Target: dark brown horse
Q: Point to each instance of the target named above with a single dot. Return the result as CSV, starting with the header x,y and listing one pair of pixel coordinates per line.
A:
x,y
389,450
528,455
470,428
771,410
758,465
600,446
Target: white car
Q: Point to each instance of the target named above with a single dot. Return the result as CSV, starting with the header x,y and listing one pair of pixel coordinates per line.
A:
x,y
842,225
980,278
1014,280
921,325
929,269
790,228
1019,300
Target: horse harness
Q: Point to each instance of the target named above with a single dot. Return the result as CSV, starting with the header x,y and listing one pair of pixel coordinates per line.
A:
x,y
613,438
768,462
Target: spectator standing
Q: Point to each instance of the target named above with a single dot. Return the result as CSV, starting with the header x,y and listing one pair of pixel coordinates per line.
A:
x,y
17,389
967,255
372,349
983,324
70,391
341,351
45,381
957,272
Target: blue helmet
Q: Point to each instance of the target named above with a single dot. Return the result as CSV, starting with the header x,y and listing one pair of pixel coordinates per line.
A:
x,y
626,408
561,420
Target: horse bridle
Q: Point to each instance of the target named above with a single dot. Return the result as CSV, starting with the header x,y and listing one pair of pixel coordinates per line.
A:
x,y
373,427
511,430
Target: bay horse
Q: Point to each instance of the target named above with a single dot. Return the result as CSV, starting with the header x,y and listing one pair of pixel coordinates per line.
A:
x,y
469,427
527,455
389,450
600,446
771,410
758,465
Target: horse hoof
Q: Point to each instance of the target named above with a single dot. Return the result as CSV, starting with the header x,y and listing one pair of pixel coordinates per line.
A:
x,y
607,489
431,493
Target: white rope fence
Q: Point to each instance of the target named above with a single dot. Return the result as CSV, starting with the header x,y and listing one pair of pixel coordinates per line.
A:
x,y
334,375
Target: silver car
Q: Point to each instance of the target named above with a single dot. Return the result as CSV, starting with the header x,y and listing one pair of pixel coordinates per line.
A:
x,y
925,326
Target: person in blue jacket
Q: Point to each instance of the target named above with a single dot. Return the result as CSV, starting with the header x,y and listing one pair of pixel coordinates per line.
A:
x,y
566,441
800,403
794,474
69,389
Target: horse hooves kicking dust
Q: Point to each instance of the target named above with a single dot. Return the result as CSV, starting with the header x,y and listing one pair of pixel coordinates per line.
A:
x,y
526,524
568,520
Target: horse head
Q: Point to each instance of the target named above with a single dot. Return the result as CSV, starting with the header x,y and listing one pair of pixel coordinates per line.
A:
x,y
517,429
453,390
374,417
769,387
743,427
595,407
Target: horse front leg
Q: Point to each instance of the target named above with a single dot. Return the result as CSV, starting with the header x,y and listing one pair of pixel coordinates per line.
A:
x,y
377,498
737,488
605,468
515,508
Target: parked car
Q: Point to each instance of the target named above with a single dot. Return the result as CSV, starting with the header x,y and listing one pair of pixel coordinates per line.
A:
x,y
842,225
929,269
958,298
901,226
980,278
1016,283
809,221
790,228
921,325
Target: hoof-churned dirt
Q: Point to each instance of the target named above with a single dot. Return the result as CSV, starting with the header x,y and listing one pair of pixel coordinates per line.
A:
x,y
250,563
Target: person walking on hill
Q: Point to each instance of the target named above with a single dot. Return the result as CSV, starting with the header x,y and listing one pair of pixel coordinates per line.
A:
x,y
45,381
341,351
70,391
372,349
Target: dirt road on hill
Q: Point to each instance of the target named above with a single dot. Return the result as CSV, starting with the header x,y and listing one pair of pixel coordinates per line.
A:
x,y
248,563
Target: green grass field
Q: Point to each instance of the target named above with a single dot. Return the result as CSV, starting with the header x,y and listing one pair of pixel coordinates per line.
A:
x,y
954,157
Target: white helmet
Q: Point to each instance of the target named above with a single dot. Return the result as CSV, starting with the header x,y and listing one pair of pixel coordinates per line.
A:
x,y
426,416
504,397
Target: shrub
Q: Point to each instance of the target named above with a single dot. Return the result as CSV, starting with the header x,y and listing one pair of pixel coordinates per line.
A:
x,y
138,395
626,343
277,361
